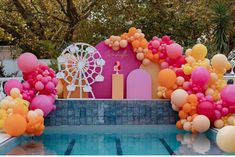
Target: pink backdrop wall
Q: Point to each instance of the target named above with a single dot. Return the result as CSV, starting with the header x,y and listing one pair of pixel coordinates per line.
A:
x,y
103,90
139,85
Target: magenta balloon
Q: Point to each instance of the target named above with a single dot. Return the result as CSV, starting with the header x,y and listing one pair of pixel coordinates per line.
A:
x,y
200,76
227,94
42,102
206,108
128,62
27,62
12,83
174,50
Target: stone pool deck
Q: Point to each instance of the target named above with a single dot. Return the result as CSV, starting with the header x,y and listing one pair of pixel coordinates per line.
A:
x,y
111,112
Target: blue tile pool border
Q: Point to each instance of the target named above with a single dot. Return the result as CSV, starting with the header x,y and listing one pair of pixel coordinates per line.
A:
x,y
111,112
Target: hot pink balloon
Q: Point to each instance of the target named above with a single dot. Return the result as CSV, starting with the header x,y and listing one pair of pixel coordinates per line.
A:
x,y
227,94
206,108
200,76
12,83
27,62
174,50
42,102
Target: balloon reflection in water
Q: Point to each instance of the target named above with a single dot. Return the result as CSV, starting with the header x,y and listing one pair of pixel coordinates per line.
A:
x,y
30,148
193,144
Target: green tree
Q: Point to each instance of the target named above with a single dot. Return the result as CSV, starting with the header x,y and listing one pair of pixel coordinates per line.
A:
x,y
221,20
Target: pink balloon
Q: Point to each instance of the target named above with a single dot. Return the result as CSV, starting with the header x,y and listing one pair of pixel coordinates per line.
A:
x,y
44,80
227,95
27,62
206,108
50,87
42,102
39,86
174,50
224,111
200,76
217,115
12,83
26,85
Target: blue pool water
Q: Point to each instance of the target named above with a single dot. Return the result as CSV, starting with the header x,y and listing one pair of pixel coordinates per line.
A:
x,y
114,140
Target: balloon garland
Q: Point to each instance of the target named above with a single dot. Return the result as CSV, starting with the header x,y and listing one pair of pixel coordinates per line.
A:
x,y
194,83
23,110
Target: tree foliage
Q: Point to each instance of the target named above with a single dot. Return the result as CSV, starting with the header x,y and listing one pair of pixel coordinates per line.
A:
x,y
46,27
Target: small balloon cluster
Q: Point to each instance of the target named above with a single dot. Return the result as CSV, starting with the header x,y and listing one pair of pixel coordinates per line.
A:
x,y
168,53
197,89
163,51
26,104
136,39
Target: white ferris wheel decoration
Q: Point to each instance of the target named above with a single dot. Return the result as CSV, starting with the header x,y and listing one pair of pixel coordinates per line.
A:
x,y
80,65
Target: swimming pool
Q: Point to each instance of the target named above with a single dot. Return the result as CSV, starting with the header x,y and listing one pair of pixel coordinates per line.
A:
x,y
114,140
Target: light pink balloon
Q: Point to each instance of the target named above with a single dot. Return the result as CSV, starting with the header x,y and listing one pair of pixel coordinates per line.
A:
x,y
200,76
12,83
39,86
174,50
27,62
42,102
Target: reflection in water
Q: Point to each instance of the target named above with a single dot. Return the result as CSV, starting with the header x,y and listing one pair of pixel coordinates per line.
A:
x,y
29,148
192,144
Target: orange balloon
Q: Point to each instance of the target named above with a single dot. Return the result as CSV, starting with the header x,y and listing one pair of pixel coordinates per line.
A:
x,y
168,93
187,108
194,115
193,111
20,109
136,44
192,98
124,36
132,31
144,43
194,131
15,125
183,115
179,125
167,78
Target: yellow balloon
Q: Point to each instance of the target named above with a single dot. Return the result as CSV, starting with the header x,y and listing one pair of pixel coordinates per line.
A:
x,y
15,93
22,101
228,66
199,51
187,69
219,62
3,116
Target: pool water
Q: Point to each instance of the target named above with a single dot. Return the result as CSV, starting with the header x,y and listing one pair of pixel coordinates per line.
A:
x,y
114,140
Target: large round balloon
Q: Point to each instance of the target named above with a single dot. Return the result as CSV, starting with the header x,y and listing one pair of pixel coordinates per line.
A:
x,y
174,50
200,76
12,83
179,97
227,95
128,61
167,78
44,103
219,61
206,108
201,123
199,51
15,125
225,139
27,62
